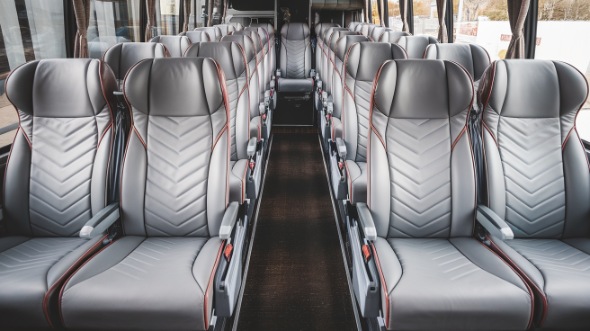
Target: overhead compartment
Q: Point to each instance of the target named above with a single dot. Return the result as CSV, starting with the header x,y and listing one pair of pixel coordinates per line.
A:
x,y
336,4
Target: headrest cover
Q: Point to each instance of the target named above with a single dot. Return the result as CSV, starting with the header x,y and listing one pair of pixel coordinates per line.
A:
x,y
343,44
365,58
295,31
121,57
471,56
533,88
401,86
61,87
245,42
228,55
175,87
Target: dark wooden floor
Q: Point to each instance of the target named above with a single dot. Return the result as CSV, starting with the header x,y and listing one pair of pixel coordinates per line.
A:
x,y
296,279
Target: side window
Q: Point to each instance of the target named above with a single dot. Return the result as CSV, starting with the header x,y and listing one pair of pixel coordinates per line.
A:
x,y
167,17
375,11
395,21
112,22
562,31
29,30
425,18
483,22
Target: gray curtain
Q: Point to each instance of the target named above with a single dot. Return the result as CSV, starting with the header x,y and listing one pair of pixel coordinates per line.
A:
x,y
82,13
151,19
517,11
403,5
441,8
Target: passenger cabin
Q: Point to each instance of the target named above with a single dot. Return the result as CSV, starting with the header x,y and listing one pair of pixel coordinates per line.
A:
x,y
294,165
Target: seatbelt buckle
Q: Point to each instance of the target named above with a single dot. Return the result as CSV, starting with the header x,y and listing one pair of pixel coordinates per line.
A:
x,y
366,252
340,165
227,252
252,164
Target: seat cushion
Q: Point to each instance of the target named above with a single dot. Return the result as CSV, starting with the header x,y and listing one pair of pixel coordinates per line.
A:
x,y
303,85
560,270
144,284
357,181
449,284
31,271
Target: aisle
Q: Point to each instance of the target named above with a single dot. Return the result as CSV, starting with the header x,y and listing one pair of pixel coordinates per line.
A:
x,y
296,279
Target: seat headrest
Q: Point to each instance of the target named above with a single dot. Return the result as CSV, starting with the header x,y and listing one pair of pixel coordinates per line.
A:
x,y
343,44
237,26
390,36
330,31
376,32
197,36
415,46
336,35
61,87
364,59
176,87
352,25
270,29
261,33
121,57
254,36
533,89
176,45
214,32
471,56
225,29
321,27
228,55
400,87
245,42
295,31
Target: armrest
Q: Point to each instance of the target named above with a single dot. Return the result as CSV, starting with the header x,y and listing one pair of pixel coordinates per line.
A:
x,y
319,84
367,222
262,108
101,221
229,220
341,148
495,225
324,97
329,106
312,73
278,73
252,147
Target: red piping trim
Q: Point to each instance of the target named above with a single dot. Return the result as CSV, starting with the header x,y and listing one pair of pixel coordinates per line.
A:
x,y
383,286
209,284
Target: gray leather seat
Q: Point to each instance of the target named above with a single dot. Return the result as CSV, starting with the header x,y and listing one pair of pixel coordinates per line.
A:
x,y
390,36
272,52
366,30
226,29
376,32
213,32
121,57
258,46
352,26
330,48
295,59
264,56
174,195
415,46
175,45
197,36
237,26
538,182
320,28
433,274
359,27
232,60
361,66
474,58
56,180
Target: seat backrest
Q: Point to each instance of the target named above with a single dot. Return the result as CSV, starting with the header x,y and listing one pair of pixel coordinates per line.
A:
x,y
330,62
366,29
421,180
270,30
390,36
328,33
320,29
537,175
174,176
121,57
472,57
176,45
197,36
352,26
361,64
213,32
342,46
415,46
376,32
57,174
359,27
252,71
265,60
258,46
295,61
231,58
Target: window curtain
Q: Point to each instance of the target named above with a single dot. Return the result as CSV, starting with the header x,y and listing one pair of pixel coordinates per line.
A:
x,y
151,19
517,11
82,13
441,8
187,14
403,10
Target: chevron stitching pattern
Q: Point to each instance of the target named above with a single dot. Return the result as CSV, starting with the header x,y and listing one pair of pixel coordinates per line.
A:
x,y
61,171
179,150
33,258
155,256
362,101
533,172
295,58
436,258
232,94
553,256
419,154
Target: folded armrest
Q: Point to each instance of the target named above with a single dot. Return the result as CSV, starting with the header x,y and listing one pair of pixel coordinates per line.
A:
x,y
252,147
495,225
341,148
101,221
367,222
229,220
